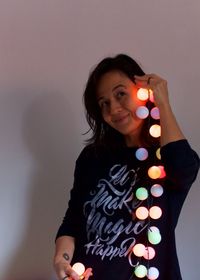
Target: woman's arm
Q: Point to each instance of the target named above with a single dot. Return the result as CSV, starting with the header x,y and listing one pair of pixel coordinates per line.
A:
x,y
63,255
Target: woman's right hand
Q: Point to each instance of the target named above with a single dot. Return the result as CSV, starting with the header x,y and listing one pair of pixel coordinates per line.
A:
x,y
64,269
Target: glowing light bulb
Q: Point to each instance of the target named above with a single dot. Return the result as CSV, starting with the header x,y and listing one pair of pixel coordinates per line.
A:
x,y
155,113
149,253
79,268
155,212
155,130
158,153
154,229
154,237
142,213
156,190
154,172
141,154
142,112
152,273
141,193
143,94
140,271
139,250
162,170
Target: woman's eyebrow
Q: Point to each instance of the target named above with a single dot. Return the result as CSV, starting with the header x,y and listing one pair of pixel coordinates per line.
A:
x,y
117,86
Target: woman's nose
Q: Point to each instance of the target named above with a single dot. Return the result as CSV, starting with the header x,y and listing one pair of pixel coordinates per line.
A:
x,y
115,107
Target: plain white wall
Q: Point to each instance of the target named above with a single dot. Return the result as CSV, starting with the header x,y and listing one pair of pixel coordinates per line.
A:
x,y
46,51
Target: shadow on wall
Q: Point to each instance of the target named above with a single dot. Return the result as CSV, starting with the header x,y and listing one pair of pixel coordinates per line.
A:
x,y
49,133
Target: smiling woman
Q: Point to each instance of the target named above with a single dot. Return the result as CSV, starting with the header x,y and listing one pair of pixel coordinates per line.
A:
x,y
130,180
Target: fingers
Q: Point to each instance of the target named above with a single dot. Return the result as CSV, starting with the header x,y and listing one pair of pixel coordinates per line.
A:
x,y
65,272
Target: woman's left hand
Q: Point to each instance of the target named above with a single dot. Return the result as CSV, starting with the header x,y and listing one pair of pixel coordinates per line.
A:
x,y
157,85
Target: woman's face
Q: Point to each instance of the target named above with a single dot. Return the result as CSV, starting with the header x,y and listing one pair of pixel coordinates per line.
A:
x,y
117,98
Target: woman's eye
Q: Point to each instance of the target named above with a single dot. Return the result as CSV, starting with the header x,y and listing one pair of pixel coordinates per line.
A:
x,y
103,104
120,93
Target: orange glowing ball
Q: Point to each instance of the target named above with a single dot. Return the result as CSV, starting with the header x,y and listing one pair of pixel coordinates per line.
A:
x,y
155,130
155,212
151,97
139,250
142,213
154,172
143,94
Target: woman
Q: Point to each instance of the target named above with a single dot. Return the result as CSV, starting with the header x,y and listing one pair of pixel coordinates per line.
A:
x,y
121,217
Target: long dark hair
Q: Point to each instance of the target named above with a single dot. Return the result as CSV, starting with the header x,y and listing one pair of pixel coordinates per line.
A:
x,y
102,133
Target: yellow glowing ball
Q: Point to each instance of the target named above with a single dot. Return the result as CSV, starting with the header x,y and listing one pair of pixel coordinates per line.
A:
x,y
79,268
142,213
143,94
149,253
155,130
158,153
139,250
154,172
155,212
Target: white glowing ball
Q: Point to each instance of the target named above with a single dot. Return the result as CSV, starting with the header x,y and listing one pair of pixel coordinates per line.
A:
x,y
153,273
142,112
155,113
156,190
142,213
139,250
154,237
155,212
141,193
140,271
149,253
155,130
79,268
154,172
162,170
158,153
141,154
143,94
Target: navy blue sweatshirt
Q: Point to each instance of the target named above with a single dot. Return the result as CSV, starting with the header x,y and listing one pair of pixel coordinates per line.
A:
x,y
101,214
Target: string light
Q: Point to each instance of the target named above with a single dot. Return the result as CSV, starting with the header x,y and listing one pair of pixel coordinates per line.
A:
x,y
141,154
142,112
143,94
79,268
155,130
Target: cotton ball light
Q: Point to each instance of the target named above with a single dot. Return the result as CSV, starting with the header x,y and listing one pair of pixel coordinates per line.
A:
x,y
155,113
154,237
139,250
155,130
140,271
149,253
154,172
152,273
141,154
143,94
142,213
79,268
151,97
156,190
155,212
141,193
162,171
142,112
158,153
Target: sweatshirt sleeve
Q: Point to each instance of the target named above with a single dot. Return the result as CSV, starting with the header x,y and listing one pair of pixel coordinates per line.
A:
x,y
73,219
181,164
